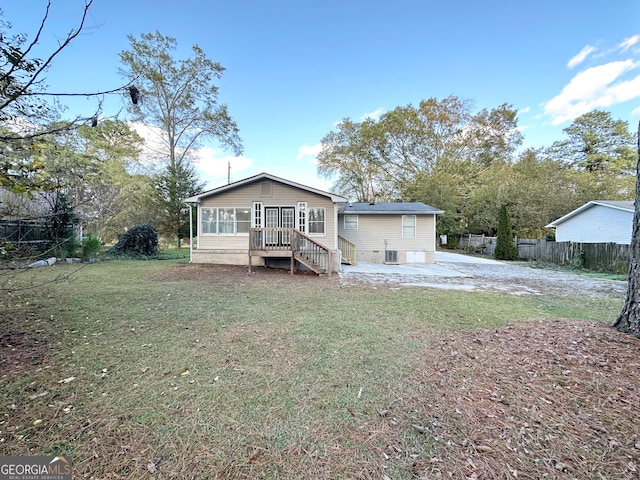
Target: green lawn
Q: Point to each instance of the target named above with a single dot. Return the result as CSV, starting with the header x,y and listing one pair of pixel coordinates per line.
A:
x,y
146,372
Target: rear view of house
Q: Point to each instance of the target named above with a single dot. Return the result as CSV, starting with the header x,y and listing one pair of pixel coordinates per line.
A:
x,y
264,219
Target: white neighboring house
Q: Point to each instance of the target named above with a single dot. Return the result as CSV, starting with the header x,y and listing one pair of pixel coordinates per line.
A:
x,y
597,221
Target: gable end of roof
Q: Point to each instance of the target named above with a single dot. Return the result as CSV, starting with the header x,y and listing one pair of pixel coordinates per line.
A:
x,y
624,205
256,178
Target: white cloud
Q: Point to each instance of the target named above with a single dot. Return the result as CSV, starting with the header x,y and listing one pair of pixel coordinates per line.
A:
x,y
375,115
154,150
213,165
580,57
524,110
627,43
309,151
635,111
593,88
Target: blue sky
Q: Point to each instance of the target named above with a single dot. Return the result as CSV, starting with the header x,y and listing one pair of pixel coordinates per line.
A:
x,y
294,69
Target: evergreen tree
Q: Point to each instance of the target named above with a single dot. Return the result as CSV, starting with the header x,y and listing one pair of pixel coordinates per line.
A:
x,y
172,185
505,247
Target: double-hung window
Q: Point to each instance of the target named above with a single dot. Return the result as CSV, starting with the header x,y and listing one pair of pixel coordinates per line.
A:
x,y
408,226
351,222
224,221
316,221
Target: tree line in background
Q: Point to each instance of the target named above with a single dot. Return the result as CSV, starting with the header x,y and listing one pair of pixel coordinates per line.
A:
x,y
471,164
98,170
440,152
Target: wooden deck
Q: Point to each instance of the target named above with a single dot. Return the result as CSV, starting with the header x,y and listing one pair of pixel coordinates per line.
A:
x,y
281,242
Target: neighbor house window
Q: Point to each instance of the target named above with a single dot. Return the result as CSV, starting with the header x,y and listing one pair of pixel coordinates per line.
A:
x,y
408,226
315,220
224,221
351,222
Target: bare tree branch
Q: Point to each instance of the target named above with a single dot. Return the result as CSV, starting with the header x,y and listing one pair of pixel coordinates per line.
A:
x,y
23,90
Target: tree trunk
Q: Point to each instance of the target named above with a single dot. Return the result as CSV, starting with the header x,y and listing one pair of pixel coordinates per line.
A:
x,y
629,319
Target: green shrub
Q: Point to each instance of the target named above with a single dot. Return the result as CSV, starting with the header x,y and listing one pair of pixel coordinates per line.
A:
x,y
141,240
90,246
67,247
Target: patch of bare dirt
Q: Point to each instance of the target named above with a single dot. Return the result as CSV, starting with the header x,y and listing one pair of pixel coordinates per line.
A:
x,y
514,279
19,352
544,399
235,275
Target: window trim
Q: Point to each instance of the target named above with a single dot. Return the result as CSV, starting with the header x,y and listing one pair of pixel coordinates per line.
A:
x,y
324,222
344,220
302,215
217,222
414,226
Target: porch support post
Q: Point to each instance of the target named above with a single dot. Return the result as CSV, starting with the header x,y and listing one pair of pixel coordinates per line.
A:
x,y
329,262
190,233
293,240
249,251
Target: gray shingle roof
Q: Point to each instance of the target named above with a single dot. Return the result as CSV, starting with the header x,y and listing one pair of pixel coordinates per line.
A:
x,y
388,208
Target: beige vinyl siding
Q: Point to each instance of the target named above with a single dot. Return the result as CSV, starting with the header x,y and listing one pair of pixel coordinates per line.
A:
x,y
281,196
373,230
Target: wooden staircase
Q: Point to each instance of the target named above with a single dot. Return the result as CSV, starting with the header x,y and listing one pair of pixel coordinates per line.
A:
x,y
348,249
310,253
289,242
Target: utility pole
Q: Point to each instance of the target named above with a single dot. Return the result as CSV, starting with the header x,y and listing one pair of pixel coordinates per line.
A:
x,y
228,172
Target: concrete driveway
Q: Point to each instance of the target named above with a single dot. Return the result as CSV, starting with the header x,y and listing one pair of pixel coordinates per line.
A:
x,y
465,272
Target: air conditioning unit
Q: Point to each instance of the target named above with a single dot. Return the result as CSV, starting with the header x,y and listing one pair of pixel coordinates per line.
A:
x,y
390,256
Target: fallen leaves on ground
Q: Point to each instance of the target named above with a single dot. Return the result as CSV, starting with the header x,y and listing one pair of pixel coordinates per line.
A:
x,y
540,399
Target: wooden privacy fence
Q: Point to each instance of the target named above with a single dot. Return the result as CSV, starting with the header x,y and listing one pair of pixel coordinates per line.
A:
x,y
612,257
